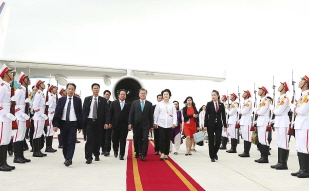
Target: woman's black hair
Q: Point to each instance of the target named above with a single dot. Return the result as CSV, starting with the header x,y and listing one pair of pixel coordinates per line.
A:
x,y
168,91
201,109
189,97
177,108
215,91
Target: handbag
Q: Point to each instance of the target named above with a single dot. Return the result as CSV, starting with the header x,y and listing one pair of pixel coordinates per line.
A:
x,y
254,138
198,137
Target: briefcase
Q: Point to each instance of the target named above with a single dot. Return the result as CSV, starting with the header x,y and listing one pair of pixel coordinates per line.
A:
x,y
198,137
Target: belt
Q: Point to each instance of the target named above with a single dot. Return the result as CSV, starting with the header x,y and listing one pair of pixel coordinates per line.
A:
x,y
6,104
91,119
245,114
20,105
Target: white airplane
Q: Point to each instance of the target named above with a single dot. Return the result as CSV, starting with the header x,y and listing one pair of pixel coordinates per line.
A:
x,y
127,78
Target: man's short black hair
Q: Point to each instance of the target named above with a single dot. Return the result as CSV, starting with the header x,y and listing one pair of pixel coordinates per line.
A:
x,y
72,84
168,91
95,84
142,89
107,91
121,90
159,95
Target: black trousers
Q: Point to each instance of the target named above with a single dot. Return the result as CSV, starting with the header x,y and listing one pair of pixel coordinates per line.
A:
x,y
165,139
140,137
214,140
106,141
68,132
119,136
156,140
94,138
31,132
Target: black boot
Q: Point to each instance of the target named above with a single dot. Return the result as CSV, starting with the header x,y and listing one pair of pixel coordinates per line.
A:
x,y
305,161
17,153
279,159
36,152
233,146
5,158
60,141
22,153
260,147
42,142
224,142
49,143
300,161
3,167
283,160
40,147
264,154
247,146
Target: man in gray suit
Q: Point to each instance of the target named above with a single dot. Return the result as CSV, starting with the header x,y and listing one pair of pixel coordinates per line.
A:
x,y
141,121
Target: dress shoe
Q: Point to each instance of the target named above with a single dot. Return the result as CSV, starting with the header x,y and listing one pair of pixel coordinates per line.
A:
x,y
157,153
68,163
77,141
37,154
65,161
115,154
303,174
50,150
275,166
88,161
106,154
231,151
263,160
97,159
121,158
213,160
216,157
165,158
18,160
244,155
257,160
143,159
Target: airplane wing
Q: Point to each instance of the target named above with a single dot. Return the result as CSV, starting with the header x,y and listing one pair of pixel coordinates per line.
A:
x,y
79,71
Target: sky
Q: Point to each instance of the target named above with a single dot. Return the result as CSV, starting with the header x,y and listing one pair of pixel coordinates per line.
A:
x,y
251,40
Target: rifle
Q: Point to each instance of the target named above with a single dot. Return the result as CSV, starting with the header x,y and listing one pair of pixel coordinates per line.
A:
x,y
268,128
28,123
291,129
237,126
46,106
228,105
14,123
253,113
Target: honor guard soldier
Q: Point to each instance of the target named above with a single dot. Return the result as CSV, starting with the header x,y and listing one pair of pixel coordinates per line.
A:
x,y
224,133
20,113
245,123
232,123
282,122
6,117
39,118
51,111
301,126
262,122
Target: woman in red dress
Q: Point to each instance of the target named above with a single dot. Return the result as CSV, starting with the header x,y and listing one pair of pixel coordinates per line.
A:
x,y
191,122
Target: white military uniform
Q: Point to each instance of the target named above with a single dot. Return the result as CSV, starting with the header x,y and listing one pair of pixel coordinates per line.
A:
x,y
246,121
202,118
233,120
302,123
282,121
22,117
51,112
39,116
226,106
262,121
6,117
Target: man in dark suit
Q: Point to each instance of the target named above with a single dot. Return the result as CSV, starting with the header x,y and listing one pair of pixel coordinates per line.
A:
x,y
214,121
106,143
119,113
68,117
156,131
141,120
96,118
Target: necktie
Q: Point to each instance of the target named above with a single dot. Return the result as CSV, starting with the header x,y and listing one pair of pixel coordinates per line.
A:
x,y
95,109
142,105
68,111
216,107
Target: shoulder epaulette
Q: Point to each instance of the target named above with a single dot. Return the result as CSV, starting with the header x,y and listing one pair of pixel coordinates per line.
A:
x,y
2,84
20,88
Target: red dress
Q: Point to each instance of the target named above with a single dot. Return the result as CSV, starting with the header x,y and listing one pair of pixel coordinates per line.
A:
x,y
190,127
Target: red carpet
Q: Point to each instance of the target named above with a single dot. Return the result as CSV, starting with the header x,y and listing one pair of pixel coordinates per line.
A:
x,y
155,174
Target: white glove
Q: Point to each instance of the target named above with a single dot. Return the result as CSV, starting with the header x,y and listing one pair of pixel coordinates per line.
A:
x,y
25,116
27,100
47,103
13,98
44,116
10,116
272,121
254,122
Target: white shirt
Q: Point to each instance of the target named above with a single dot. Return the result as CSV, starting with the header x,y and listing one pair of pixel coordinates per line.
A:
x,y
5,101
165,114
72,111
122,103
216,105
91,107
202,118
